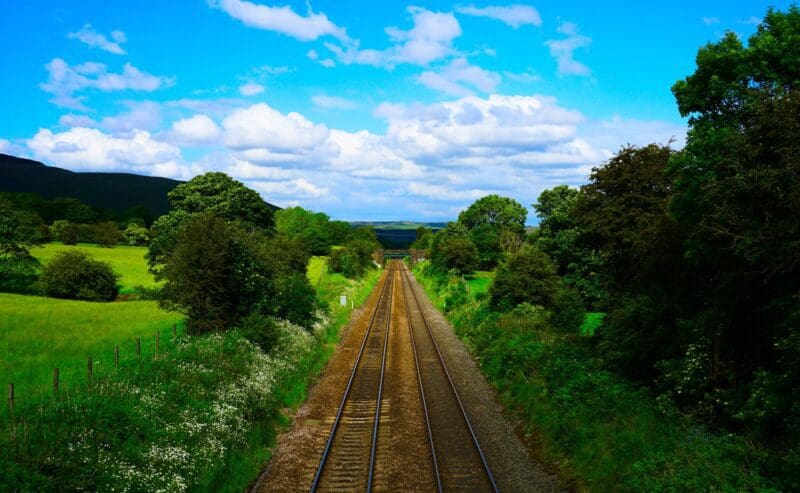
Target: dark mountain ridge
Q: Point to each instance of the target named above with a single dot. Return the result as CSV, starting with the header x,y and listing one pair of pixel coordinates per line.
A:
x,y
116,191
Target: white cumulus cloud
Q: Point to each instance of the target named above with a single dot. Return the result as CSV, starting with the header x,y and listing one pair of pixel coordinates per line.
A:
x,y
65,80
451,78
195,130
262,127
88,36
282,19
89,149
563,50
430,39
515,15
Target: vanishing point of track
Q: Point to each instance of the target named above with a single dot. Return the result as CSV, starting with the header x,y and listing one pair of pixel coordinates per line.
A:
x,y
349,459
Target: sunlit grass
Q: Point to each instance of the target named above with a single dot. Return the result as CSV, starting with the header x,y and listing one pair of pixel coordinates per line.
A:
x,y
38,334
127,261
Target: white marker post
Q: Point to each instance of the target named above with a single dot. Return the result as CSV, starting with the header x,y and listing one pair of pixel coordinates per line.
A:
x,y
343,300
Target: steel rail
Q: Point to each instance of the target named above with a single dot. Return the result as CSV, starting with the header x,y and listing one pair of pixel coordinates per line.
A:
x,y
422,390
380,386
340,411
452,385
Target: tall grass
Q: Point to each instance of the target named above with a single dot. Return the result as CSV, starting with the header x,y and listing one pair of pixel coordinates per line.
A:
x,y
38,334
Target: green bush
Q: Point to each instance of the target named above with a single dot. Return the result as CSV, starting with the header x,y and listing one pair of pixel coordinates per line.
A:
x,y
261,330
76,275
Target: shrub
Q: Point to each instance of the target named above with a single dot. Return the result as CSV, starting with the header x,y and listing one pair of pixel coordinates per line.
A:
x,y
352,259
135,235
106,234
65,232
76,275
261,330
456,254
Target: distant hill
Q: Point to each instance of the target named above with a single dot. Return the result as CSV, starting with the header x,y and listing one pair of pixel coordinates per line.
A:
x,y
115,191
396,234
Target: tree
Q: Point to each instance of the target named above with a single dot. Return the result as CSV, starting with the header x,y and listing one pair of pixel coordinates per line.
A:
x,y
229,199
76,275
488,220
623,214
559,236
18,232
219,272
738,197
65,232
106,234
423,239
135,235
309,228
456,254
211,192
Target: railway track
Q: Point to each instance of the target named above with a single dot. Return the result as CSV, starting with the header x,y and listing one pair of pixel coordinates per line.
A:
x,y
348,461
353,451
458,460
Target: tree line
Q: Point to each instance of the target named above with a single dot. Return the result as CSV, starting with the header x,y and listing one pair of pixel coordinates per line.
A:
x,y
692,254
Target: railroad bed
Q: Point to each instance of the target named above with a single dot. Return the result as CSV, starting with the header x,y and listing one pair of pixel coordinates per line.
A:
x,y
351,460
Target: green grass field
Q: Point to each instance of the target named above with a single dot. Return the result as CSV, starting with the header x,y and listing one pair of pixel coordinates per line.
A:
x,y
479,283
38,334
127,261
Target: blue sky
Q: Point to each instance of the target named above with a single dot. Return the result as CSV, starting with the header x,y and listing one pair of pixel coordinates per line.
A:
x,y
363,110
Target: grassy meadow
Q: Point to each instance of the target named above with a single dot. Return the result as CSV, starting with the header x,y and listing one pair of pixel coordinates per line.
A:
x,y
127,261
38,334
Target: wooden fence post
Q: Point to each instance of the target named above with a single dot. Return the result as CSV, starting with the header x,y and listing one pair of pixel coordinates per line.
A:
x,y
11,397
90,369
139,347
116,356
55,381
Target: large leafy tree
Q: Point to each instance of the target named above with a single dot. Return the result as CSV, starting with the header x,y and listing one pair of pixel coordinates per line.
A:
x,y
559,235
212,192
219,193
19,231
738,196
496,226
310,228
623,215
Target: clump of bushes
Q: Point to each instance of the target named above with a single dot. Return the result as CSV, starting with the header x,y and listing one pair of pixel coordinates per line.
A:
x,y
352,259
529,276
76,275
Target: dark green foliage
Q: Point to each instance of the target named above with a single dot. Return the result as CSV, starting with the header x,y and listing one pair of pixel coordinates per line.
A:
x,y
353,259
623,215
130,195
423,239
229,199
200,273
496,226
76,275
456,254
261,330
66,232
296,299
219,272
560,236
18,232
106,234
604,433
527,277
